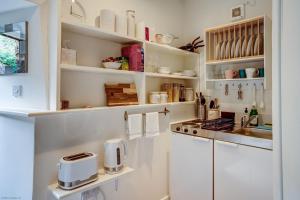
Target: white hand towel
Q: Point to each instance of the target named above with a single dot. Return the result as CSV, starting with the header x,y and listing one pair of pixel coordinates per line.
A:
x,y
135,126
152,124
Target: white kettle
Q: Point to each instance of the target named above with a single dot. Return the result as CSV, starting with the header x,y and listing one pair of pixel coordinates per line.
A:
x,y
115,151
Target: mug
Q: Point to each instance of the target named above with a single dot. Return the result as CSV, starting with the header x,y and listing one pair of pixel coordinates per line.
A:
x,y
230,74
242,73
261,72
251,72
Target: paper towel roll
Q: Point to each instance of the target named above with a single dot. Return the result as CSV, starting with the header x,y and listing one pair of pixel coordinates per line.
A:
x,y
121,25
107,20
140,30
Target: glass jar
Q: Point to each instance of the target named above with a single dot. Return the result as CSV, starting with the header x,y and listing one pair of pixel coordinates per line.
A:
x,y
176,92
163,97
182,93
154,98
189,94
168,87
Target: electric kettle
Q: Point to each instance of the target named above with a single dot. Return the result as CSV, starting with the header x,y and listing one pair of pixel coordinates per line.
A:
x,y
115,151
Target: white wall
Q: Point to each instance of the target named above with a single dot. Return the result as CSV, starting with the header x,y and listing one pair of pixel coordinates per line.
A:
x,y
290,98
35,82
202,14
65,134
16,158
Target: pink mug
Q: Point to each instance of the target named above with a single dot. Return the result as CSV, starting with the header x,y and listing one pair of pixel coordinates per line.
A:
x,y
230,74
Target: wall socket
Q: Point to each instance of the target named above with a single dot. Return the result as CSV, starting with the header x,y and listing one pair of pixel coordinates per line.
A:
x,y
17,91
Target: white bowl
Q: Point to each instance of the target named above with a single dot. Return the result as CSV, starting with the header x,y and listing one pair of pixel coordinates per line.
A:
x,y
189,73
112,65
164,70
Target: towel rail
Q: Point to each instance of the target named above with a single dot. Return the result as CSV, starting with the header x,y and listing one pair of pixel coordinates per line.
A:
x,y
165,112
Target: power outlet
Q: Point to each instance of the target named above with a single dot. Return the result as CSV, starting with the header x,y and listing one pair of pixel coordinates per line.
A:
x,y
17,91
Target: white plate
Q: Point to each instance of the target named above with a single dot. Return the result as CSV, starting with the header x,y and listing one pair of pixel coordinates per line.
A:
x,y
227,49
237,48
232,49
223,50
256,45
217,51
249,46
112,65
243,53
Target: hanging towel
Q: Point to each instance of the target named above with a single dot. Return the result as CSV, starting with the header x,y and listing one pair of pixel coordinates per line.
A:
x,y
152,124
135,126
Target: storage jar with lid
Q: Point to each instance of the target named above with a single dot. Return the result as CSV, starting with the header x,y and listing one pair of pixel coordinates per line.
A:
x,y
163,97
176,92
154,98
189,94
168,87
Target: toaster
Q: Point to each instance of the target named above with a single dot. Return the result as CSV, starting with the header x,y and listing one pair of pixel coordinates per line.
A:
x,y
77,170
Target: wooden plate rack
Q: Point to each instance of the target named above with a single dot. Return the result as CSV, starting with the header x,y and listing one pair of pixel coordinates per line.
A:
x,y
231,41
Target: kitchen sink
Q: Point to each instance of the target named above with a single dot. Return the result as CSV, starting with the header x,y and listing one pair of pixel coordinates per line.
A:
x,y
254,132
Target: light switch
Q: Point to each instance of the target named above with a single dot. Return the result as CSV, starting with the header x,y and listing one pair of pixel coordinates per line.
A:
x,y
17,91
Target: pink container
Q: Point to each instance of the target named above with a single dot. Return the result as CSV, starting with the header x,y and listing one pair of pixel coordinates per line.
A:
x,y
135,55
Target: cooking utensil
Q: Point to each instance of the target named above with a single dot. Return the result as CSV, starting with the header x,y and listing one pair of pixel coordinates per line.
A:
x,y
212,104
240,92
262,103
254,95
226,89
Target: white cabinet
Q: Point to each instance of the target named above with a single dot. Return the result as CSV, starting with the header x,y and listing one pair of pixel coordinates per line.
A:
x,y
191,168
242,172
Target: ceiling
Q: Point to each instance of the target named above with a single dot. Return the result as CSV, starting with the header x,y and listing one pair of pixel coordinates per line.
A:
x,y
7,5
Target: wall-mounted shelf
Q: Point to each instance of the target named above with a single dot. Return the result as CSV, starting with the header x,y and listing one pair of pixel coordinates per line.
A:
x,y
236,79
251,38
236,60
158,75
86,69
103,179
92,31
169,49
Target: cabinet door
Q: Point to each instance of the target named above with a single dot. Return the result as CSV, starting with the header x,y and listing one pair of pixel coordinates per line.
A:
x,y
191,165
242,172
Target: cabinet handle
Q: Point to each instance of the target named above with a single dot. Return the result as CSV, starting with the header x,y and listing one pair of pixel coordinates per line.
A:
x,y
200,139
227,143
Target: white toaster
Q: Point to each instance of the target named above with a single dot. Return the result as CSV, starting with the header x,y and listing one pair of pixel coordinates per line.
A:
x,y
77,170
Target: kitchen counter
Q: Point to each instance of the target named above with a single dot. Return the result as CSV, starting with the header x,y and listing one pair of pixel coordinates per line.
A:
x,y
227,136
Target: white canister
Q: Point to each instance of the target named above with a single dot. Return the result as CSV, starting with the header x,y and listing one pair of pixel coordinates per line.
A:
x,y
189,94
251,72
154,98
163,97
140,30
131,23
121,25
107,20
68,56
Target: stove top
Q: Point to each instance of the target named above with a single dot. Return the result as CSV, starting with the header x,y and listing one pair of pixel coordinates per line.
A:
x,y
193,127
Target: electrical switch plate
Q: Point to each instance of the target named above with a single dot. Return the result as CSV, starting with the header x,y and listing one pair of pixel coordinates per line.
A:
x,y
17,90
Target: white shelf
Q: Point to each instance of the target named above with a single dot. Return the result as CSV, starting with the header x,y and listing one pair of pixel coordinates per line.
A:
x,y
236,79
169,49
158,75
175,103
103,179
92,31
86,69
236,60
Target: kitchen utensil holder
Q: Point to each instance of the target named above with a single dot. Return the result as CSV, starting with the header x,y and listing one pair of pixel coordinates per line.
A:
x,y
165,112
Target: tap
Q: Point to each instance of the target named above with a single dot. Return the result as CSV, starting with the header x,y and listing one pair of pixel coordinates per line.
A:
x,y
244,124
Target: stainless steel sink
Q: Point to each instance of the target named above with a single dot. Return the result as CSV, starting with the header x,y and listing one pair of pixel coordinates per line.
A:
x,y
254,132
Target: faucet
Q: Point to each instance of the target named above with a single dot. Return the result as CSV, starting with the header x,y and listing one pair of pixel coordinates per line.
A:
x,y
245,124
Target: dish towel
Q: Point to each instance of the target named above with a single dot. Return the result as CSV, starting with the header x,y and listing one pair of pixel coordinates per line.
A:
x,y
152,124
135,126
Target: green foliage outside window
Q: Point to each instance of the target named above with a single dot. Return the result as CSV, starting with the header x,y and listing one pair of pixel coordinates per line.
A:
x,y
8,52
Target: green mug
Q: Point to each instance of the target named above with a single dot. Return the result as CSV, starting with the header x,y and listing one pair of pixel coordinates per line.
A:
x,y
261,72
242,73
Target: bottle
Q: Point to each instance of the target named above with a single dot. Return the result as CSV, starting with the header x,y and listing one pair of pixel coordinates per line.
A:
x,y
245,117
254,112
